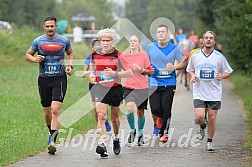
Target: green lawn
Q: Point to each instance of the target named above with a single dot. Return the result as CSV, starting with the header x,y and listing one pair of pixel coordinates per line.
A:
x,y
22,128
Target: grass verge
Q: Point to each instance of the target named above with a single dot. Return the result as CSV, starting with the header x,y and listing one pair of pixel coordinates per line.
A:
x,y
243,88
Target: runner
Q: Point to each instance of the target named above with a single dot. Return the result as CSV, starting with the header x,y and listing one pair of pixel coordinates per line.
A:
x,y
136,88
207,68
162,82
186,47
108,64
200,45
52,81
95,45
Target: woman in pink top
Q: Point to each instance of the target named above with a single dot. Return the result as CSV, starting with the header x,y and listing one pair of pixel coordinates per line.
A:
x,y
136,87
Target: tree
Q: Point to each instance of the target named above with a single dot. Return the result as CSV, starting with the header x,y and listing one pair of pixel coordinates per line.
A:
x,y
232,22
136,12
180,12
26,12
31,12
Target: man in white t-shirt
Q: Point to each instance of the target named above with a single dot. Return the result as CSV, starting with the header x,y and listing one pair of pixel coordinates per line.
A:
x,y
207,68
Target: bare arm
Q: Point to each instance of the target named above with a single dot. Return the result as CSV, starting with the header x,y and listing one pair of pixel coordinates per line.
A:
x,y
220,76
125,74
193,77
29,56
91,72
143,70
85,71
179,66
70,58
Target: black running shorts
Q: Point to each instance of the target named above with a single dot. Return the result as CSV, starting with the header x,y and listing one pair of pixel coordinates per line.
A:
x,y
112,96
52,89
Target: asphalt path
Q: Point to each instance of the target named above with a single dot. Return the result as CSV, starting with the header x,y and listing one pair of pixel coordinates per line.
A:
x,y
181,150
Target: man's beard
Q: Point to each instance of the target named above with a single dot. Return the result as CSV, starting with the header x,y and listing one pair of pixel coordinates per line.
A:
x,y
50,33
208,46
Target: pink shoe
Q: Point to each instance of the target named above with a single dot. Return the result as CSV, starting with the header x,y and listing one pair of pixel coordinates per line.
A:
x,y
164,138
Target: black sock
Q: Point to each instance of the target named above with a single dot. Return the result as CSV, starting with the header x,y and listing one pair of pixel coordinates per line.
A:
x,y
54,134
49,128
203,126
209,140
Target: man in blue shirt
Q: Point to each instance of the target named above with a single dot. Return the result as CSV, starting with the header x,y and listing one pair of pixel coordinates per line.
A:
x,y
162,82
52,81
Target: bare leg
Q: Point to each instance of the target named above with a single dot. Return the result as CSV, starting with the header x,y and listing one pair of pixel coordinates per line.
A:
x,y
47,115
101,109
211,123
95,113
55,109
115,111
200,115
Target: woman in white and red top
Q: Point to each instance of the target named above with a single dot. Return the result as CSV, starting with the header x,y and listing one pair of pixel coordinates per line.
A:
x,y
136,88
107,63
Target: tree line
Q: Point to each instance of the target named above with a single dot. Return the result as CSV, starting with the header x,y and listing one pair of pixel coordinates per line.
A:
x,y
32,12
230,20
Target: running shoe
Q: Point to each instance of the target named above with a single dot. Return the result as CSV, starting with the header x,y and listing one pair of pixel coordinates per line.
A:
x,y
107,125
52,148
155,131
201,134
159,122
116,147
140,141
132,136
102,150
209,146
164,138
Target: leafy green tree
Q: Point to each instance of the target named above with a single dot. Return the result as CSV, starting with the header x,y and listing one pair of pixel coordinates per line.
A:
x,y
180,12
232,22
26,11
205,12
31,12
136,12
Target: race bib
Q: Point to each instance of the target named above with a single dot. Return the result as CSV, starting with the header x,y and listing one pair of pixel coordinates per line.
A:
x,y
163,73
52,68
103,78
207,74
